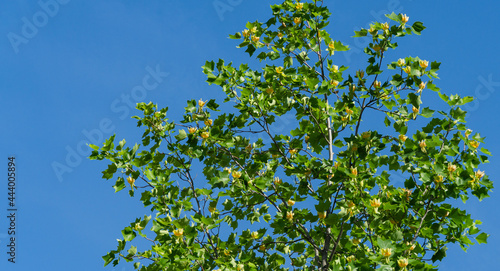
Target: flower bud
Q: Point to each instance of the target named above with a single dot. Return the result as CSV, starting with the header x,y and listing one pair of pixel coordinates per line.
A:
x,y
386,252
377,84
424,64
404,18
297,20
130,180
201,103
403,262
236,174
246,33
178,232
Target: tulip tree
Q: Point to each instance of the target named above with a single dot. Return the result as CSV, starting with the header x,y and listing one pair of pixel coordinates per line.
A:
x,y
228,192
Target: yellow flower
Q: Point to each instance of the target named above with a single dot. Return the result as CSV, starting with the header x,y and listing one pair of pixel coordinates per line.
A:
x,y
334,83
227,169
279,70
212,209
289,216
424,64
386,252
331,46
351,258
293,151
407,69
403,262
269,91
236,174
474,144
192,130
275,155
402,138
415,110
201,103
385,26
246,33
422,145
377,84
452,168
479,174
360,74
412,247
335,68
421,86
138,227
468,132
240,267
376,47
255,38
438,179
290,202
349,111
208,122
205,135
401,62
375,203
322,215
336,164
227,252
297,20
277,181
352,88
262,248
351,204
356,241
255,235
280,35
365,135
299,6
354,171
254,29
178,232
404,18
306,138
130,180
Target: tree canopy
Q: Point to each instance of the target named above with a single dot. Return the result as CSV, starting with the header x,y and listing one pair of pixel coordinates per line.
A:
x,y
228,192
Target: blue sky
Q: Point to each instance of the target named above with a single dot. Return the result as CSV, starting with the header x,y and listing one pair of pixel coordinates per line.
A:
x,y
70,70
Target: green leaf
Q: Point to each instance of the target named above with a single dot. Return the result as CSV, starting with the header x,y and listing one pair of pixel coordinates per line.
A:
x,y
128,234
417,27
182,134
482,238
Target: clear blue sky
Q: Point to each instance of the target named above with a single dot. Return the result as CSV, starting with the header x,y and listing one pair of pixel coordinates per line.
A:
x,y
71,76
